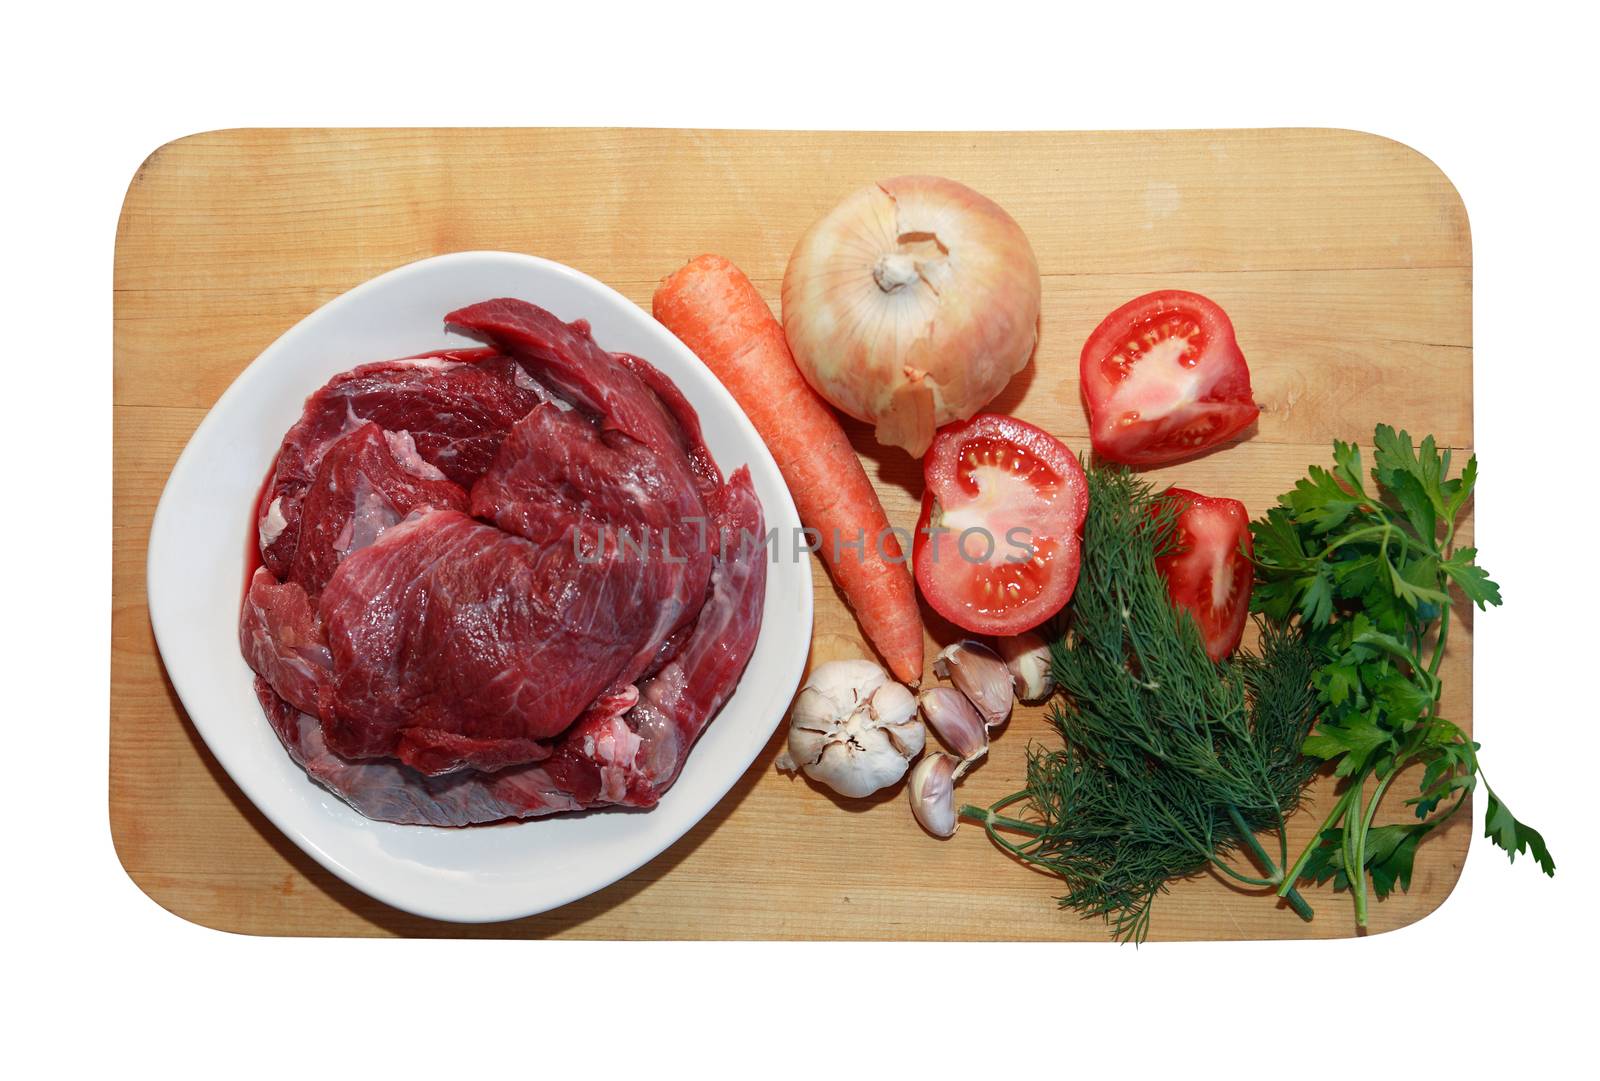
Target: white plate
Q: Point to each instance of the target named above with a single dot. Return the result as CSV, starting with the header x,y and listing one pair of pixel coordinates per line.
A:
x,y
204,526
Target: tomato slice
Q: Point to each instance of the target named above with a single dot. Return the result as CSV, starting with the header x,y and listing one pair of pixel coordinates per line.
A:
x,y
1164,379
999,538
1210,573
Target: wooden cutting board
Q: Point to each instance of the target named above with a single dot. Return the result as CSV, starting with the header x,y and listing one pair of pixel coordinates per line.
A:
x,y
1344,260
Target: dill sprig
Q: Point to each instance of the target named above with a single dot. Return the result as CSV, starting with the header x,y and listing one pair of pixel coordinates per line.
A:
x,y
1170,763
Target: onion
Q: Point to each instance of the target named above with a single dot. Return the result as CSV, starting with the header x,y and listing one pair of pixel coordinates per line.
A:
x,y
911,304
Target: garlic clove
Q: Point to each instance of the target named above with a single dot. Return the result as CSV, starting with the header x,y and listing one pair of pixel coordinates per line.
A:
x,y
853,729
980,674
893,711
956,721
1027,657
933,793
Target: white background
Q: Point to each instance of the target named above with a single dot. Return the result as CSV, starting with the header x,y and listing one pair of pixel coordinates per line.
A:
x,y
1497,979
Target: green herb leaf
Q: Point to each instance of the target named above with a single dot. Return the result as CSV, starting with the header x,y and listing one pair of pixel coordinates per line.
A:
x,y
1391,850
1471,579
1458,491
1316,605
1396,461
1352,741
1355,573
1339,683
1325,860
1321,502
1502,827
1414,594
1417,504
1347,464
1435,792
1402,699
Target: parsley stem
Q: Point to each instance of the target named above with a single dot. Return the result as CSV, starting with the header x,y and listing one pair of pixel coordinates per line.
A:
x,y
1355,870
1316,839
1361,841
1438,652
1358,858
1377,797
1385,531
1355,535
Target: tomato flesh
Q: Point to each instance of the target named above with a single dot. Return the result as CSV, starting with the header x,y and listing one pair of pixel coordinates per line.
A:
x,y
999,537
1209,572
1163,379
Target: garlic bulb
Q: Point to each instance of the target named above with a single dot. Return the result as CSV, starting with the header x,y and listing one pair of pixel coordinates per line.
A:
x,y
853,729
1027,657
956,722
980,674
932,789
911,304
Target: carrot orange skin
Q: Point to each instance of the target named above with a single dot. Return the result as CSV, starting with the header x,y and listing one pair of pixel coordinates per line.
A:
x,y
714,310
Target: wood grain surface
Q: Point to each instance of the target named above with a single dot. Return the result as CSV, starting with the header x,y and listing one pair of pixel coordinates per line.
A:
x,y
1344,260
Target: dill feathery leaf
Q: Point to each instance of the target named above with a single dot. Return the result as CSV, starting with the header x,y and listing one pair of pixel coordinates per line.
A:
x,y
1163,752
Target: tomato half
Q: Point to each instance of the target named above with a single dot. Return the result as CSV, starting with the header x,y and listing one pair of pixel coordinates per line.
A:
x,y
1210,573
1000,534
1163,379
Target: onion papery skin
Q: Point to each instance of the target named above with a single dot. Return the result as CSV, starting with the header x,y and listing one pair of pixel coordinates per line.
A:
x,y
911,304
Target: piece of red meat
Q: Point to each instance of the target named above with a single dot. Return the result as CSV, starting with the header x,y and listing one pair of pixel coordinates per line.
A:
x,y
566,358
634,528
455,643
387,791
366,482
631,759
618,754
456,406
688,421
281,637
455,647
562,649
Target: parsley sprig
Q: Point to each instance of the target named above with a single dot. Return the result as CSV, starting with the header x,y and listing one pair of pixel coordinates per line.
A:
x,y
1366,575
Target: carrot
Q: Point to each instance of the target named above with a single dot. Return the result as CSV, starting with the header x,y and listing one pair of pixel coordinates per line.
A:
x,y
712,307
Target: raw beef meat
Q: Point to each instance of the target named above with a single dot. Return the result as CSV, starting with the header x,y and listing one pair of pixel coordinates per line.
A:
x,y
631,758
626,757
582,498
455,406
565,358
280,634
501,582
456,643
383,789
365,483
